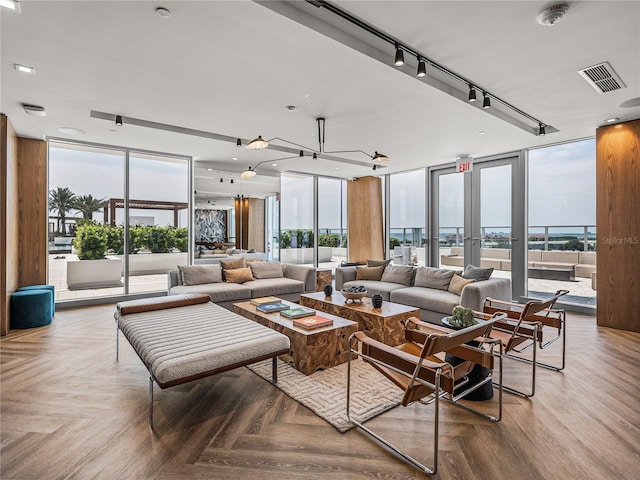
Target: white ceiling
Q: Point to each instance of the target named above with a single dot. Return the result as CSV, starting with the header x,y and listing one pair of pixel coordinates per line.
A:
x,y
230,68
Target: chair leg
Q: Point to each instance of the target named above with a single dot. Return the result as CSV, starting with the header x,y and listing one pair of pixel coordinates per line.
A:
x,y
117,344
274,370
151,402
408,458
533,364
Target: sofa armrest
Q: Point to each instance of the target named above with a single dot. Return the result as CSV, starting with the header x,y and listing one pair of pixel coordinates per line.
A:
x,y
474,294
303,273
172,280
344,274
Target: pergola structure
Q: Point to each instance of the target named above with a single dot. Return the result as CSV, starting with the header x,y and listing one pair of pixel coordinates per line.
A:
x,y
113,203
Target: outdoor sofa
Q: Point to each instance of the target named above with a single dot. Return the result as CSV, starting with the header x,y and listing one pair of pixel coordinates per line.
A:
x,y
267,278
434,291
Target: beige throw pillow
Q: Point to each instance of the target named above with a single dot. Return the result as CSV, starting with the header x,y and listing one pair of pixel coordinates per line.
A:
x,y
369,273
433,278
458,283
377,263
264,269
199,274
238,275
401,274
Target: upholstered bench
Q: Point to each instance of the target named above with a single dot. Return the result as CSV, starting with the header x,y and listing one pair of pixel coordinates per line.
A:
x,y
182,338
31,308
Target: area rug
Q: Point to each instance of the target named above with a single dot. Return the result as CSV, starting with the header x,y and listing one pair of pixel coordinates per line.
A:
x,y
325,391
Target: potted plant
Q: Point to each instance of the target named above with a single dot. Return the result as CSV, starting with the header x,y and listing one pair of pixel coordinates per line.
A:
x,y
93,269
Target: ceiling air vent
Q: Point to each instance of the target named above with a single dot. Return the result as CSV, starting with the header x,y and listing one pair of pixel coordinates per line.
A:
x,y
602,77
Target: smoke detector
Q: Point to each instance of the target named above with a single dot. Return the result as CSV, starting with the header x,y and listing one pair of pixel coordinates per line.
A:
x,y
552,15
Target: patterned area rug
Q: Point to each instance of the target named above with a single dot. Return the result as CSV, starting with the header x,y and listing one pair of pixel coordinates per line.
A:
x,y
325,391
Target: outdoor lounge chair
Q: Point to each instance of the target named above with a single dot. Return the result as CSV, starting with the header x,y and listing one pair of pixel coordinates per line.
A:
x,y
415,368
525,329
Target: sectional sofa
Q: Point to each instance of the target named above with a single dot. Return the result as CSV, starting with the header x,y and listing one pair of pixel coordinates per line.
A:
x,y
254,279
434,291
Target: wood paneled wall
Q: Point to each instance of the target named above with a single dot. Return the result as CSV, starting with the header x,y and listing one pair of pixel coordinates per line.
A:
x,y
618,221
9,275
32,191
365,228
250,223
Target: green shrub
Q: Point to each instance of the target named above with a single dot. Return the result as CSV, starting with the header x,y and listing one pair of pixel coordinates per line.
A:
x,y
115,239
160,239
137,238
182,239
394,242
90,242
285,239
332,240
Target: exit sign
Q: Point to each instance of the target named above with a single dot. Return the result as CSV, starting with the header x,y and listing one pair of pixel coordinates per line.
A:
x,y
464,164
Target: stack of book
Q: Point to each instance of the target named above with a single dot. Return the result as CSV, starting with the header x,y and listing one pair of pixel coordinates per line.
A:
x,y
298,312
309,323
269,304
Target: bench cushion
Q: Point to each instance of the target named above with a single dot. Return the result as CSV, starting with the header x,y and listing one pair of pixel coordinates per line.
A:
x,y
182,344
272,287
220,292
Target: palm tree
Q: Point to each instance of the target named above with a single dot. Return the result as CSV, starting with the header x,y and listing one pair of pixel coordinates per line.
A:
x,y
87,204
61,200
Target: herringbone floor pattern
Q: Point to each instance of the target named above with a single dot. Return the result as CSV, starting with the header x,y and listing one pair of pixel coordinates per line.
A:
x,y
70,411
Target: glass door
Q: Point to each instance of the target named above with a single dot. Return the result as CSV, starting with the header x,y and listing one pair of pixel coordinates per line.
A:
x,y
447,219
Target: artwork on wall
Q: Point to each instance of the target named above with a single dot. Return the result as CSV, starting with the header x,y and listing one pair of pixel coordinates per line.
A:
x,y
210,225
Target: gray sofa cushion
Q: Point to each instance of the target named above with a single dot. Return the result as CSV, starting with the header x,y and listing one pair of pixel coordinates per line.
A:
x,y
265,269
433,278
199,274
219,292
373,287
402,274
478,274
273,287
440,301
378,263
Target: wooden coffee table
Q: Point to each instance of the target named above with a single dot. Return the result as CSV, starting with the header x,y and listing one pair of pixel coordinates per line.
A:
x,y
310,350
385,324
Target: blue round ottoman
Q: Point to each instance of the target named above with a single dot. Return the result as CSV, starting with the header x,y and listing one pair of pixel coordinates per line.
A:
x,y
30,308
44,287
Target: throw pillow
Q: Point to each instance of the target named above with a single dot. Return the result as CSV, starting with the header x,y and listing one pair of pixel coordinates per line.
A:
x,y
229,251
402,274
266,269
430,277
377,263
199,274
458,283
238,275
231,264
476,273
369,273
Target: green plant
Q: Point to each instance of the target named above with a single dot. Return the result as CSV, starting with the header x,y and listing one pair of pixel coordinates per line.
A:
x,y
182,239
462,317
61,200
573,244
90,242
394,242
115,239
87,204
285,239
137,238
331,240
299,238
160,239
309,235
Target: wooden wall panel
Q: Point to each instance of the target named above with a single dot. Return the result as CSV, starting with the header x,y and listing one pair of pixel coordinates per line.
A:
x,y
9,219
618,221
365,227
255,224
32,190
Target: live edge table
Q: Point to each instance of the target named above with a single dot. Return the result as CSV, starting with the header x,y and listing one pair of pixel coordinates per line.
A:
x,y
385,324
310,350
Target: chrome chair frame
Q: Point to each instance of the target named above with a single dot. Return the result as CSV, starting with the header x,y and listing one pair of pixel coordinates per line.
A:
x,y
437,369
525,326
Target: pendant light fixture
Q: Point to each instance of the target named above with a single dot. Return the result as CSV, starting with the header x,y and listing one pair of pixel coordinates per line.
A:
x,y
380,157
258,143
248,174
399,60
422,68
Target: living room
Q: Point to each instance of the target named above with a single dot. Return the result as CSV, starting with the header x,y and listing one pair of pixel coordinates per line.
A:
x,y
136,90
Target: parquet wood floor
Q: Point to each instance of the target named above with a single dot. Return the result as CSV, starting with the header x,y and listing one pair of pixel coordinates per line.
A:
x,y
68,410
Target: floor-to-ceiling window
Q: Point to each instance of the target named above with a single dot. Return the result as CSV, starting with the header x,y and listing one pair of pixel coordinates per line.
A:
x,y
562,221
96,195
407,233
448,219
332,222
296,218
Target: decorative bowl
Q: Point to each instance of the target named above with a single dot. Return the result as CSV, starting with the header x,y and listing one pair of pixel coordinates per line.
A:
x,y
354,295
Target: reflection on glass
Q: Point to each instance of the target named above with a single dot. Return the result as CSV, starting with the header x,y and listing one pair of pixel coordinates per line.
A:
x,y
451,220
562,213
296,219
332,222
407,233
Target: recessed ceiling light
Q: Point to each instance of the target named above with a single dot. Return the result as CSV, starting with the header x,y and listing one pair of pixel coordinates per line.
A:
x,y
612,119
11,5
24,68
163,12
306,95
71,131
234,158
274,164
209,169
36,110
291,108
482,132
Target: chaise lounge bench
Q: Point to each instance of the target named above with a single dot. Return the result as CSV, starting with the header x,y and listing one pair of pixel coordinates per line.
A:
x,y
182,338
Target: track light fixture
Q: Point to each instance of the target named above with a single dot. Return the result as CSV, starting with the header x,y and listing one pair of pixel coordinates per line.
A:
x,y
375,167
258,143
119,120
238,143
486,103
231,181
399,60
221,180
422,68
542,131
472,94
315,156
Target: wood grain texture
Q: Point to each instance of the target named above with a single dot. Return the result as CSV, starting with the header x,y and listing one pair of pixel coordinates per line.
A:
x,y
311,350
323,277
69,410
618,221
385,324
9,219
255,224
364,214
32,191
